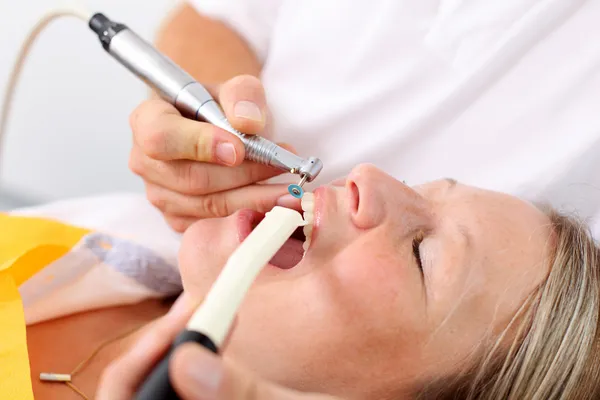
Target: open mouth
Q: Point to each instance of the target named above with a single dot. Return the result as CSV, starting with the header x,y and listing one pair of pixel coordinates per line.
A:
x,y
294,249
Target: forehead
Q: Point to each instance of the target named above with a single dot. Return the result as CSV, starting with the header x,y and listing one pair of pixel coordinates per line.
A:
x,y
496,220
507,249
451,193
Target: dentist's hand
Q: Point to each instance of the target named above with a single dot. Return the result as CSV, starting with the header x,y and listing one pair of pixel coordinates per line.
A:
x,y
194,170
196,373
201,375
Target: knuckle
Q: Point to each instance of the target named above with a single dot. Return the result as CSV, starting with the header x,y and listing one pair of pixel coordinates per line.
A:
x,y
264,204
195,180
202,150
149,126
135,163
141,117
133,119
155,141
215,205
155,198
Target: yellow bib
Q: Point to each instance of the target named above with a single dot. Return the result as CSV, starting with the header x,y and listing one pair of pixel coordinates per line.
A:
x,y
27,245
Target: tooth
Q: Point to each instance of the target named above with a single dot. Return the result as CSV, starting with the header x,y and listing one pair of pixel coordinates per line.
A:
x,y
308,231
308,201
306,244
309,217
307,205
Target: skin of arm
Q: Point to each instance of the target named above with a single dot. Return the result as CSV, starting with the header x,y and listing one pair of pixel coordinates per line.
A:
x,y
206,48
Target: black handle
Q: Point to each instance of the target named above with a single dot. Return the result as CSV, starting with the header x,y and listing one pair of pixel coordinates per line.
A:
x,y
157,386
105,28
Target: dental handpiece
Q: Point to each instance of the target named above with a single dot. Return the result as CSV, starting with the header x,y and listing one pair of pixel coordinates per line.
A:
x,y
193,101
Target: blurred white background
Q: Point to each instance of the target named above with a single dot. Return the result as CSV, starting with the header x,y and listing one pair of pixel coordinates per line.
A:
x,y
68,134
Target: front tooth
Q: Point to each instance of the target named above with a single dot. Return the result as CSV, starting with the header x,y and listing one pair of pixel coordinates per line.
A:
x,y
308,201
309,217
308,231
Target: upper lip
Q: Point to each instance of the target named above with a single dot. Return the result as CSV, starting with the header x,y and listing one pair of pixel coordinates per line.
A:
x,y
320,209
246,219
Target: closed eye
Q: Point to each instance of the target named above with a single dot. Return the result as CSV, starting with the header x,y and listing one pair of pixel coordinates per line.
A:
x,y
417,240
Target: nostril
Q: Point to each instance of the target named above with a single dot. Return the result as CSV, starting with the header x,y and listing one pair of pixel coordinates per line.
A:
x,y
354,197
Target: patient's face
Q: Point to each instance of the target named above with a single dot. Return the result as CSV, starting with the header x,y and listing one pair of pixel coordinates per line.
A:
x,y
361,315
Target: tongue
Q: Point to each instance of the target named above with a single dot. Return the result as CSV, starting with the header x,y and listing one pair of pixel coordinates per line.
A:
x,y
289,255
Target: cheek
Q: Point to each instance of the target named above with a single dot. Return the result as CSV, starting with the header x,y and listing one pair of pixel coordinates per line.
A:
x,y
369,275
204,250
357,319
382,282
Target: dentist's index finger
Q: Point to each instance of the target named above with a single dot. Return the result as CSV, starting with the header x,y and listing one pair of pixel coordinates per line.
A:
x,y
261,198
163,134
194,178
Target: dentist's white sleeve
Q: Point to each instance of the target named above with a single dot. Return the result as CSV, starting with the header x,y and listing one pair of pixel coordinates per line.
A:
x,y
253,20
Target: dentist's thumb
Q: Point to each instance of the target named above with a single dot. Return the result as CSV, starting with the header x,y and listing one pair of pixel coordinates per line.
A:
x,y
198,374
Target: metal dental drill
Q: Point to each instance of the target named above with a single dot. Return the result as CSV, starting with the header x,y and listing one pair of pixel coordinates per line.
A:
x,y
192,99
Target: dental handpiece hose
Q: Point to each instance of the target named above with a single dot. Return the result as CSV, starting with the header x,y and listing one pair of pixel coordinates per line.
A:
x,y
192,99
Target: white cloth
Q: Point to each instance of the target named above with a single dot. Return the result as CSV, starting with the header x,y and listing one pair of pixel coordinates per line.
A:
x,y
129,255
125,215
499,94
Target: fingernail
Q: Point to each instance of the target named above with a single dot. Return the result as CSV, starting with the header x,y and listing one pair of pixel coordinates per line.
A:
x,y
288,201
247,110
226,153
204,372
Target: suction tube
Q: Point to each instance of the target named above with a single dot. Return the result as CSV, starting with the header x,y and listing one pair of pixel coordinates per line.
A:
x,y
210,324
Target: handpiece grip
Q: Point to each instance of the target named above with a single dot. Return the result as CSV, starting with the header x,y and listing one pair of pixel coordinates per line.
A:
x,y
157,385
190,97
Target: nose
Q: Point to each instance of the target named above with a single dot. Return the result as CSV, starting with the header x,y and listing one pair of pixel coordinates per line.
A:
x,y
376,197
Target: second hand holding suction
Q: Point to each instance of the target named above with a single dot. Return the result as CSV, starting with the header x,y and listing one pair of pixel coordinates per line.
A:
x,y
192,99
211,323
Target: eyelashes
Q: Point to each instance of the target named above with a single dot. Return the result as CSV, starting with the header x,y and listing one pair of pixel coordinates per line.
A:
x,y
416,244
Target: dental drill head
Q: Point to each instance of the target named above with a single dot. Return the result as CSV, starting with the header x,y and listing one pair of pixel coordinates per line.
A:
x,y
192,99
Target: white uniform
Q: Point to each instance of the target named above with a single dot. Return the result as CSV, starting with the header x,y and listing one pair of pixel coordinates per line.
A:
x,y
499,94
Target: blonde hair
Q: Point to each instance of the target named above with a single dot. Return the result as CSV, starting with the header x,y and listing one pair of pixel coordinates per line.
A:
x,y
551,348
